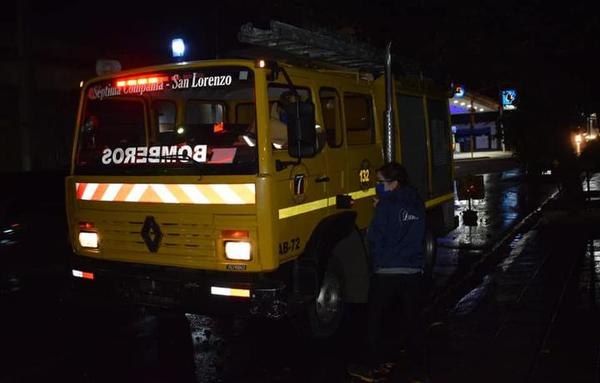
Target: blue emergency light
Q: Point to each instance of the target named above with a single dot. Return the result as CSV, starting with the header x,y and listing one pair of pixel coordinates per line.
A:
x,y
178,47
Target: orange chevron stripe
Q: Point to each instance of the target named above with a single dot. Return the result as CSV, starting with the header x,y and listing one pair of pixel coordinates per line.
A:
x,y
124,192
150,196
211,195
99,192
179,194
231,193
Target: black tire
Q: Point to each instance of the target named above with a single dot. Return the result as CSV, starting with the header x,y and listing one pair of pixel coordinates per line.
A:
x,y
324,314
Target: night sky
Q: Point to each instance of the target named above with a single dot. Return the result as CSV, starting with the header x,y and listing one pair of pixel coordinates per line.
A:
x,y
546,51
483,43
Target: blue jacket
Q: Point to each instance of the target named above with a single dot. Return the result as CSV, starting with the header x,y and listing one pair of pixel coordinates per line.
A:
x,y
397,231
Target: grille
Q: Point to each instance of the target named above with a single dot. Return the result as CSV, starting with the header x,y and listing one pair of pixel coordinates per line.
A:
x,y
179,238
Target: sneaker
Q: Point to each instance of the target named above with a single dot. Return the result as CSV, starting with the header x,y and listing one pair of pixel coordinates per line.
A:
x,y
363,373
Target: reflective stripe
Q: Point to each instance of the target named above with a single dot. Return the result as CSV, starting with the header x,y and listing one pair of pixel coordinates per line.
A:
x,y
303,208
228,195
331,201
320,204
88,191
194,194
439,200
164,194
362,193
111,192
234,194
136,193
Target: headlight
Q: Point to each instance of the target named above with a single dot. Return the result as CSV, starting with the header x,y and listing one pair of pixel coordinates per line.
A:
x,y
88,240
237,250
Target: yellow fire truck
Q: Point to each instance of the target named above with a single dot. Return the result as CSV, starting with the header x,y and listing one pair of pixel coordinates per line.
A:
x,y
180,195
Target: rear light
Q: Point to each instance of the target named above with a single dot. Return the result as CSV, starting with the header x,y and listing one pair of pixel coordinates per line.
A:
x,y
83,274
229,292
88,240
237,250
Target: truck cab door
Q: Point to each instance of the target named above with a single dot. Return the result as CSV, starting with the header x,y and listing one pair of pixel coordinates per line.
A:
x,y
301,196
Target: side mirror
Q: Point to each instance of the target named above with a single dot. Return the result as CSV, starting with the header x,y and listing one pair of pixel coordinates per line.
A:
x,y
302,134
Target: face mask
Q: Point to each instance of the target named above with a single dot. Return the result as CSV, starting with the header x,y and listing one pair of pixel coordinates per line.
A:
x,y
380,189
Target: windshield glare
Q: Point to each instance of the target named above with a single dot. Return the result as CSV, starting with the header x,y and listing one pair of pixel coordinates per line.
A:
x,y
201,121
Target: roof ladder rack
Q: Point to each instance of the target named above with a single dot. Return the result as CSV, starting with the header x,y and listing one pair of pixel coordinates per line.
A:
x,y
315,46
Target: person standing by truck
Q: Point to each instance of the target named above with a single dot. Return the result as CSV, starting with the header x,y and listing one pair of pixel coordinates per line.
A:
x,y
395,240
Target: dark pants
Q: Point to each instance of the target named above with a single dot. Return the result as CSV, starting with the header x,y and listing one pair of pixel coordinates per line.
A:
x,y
387,290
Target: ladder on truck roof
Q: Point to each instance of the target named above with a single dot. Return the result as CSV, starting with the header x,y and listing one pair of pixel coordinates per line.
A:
x,y
316,46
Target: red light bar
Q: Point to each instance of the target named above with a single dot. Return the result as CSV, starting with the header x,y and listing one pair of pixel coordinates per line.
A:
x,y
141,81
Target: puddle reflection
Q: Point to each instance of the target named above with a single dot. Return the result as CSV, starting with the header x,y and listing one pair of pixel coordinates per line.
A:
x,y
508,197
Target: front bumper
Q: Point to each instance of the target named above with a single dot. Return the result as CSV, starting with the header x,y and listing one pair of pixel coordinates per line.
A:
x,y
179,288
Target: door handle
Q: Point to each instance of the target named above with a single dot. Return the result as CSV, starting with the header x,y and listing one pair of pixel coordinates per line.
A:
x,y
322,179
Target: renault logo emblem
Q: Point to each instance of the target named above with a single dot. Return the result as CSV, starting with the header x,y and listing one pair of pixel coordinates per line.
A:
x,y
151,234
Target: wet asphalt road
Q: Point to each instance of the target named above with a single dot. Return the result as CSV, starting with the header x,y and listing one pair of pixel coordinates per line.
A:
x,y
45,336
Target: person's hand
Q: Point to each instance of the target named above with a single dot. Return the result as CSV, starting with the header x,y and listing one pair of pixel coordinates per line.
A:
x,y
375,201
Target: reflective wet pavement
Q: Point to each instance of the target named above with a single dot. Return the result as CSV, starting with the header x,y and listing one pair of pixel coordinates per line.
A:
x,y
533,319
533,316
507,199
505,328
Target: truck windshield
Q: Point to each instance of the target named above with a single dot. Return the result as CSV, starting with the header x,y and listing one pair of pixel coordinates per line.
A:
x,y
199,121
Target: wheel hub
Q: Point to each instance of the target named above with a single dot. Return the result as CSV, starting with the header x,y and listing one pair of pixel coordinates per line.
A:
x,y
329,299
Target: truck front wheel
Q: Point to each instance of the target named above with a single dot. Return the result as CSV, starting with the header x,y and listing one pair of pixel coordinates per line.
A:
x,y
324,314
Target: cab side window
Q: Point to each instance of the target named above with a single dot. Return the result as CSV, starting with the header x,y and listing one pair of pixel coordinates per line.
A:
x,y
203,112
330,109
358,115
279,96
165,112
165,118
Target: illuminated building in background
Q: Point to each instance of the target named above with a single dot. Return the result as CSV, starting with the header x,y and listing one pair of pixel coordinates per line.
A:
x,y
470,108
